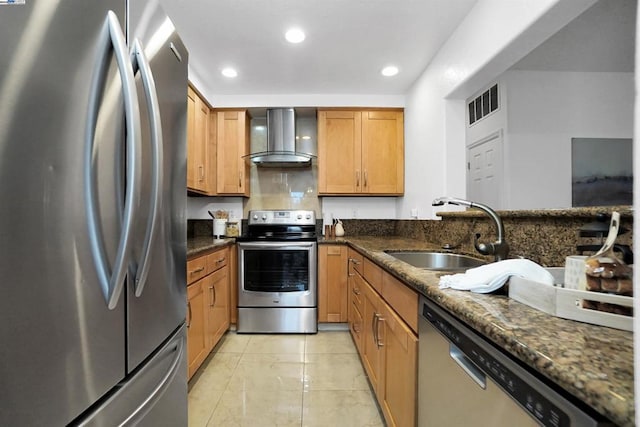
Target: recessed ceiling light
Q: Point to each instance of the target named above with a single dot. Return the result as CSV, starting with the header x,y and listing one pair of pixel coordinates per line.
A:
x,y
389,71
294,35
229,72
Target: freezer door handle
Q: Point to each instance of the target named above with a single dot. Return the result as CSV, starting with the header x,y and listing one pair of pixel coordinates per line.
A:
x,y
112,282
162,385
141,63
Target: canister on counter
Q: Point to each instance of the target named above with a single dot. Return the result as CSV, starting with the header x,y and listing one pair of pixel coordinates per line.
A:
x,y
232,229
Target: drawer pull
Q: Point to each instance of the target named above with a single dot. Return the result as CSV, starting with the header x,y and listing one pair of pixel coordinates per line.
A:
x,y
356,291
190,314
218,261
197,270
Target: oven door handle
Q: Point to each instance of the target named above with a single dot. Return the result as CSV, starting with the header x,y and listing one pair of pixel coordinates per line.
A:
x,y
277,245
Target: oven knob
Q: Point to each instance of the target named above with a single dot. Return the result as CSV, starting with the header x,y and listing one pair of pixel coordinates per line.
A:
x,y
255,217
299,216
308,216
264,217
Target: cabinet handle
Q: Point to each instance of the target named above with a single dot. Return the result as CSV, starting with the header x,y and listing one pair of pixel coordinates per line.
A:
x,y
357,178
352,261
212,297
365,178
190,314
356,327
373,327
356,291
379,341
240,179
197,270
201,169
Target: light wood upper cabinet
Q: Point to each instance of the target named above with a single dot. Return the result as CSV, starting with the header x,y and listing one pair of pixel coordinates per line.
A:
x,y
360,152
332,283
339,152
382,152
232,141
200,173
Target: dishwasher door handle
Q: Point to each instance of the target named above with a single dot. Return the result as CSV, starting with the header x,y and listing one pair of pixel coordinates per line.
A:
x,y
468,366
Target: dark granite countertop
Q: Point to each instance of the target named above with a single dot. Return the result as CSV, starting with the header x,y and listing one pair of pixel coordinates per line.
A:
x,y
202,244
592,363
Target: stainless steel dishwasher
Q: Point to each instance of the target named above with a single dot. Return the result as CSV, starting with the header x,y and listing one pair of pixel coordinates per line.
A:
x,y
463,380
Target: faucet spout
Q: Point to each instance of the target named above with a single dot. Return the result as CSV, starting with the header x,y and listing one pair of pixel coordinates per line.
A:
x,y
500,248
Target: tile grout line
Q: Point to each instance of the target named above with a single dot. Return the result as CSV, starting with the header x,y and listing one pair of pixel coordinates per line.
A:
x,y
226,388
304,375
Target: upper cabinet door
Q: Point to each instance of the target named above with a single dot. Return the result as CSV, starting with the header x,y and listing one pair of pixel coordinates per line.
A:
x,y
382,152
232,146
339,152
199,162
360,152
192,150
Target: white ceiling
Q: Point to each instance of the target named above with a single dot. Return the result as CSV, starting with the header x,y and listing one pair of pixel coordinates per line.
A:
x,y
347,43
602,39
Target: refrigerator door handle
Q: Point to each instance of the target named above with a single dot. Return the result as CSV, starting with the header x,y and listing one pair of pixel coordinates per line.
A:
x,y
141,63
111,283
162,385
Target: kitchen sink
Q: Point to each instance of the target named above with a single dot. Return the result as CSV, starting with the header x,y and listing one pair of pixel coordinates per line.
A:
x,y
438,260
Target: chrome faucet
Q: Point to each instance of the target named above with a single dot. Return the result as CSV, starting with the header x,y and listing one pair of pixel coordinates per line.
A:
x,y
500,248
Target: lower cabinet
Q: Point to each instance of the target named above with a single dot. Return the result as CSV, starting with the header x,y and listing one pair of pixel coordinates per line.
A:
x,y
386,342
332,283
372,345
397,389
196,333
208,313
217,307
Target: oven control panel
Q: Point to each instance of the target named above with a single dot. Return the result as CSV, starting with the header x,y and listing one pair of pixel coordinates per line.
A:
x,y
283,217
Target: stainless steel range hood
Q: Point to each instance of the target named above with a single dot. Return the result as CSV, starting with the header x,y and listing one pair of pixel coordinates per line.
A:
x,y
281,142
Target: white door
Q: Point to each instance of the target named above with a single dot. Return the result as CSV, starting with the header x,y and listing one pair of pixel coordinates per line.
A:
x,y
485,170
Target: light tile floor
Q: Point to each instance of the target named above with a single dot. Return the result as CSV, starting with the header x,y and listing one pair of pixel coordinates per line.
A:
x,y
283,380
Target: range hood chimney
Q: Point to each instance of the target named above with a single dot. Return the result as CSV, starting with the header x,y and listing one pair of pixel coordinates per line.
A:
x,y
281,142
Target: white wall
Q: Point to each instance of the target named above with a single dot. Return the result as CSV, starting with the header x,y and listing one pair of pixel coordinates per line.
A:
x,y
494,35
545,110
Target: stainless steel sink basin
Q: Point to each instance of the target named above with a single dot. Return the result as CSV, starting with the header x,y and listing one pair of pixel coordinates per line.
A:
x,y
438,260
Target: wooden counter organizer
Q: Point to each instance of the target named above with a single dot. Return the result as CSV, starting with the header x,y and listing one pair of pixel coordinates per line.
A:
x,y
567,303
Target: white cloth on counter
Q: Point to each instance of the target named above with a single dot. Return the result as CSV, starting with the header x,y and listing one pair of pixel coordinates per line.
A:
x,y
490,277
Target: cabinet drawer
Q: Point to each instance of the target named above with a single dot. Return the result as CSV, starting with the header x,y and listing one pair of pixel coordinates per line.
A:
x,y
373,275
218,259
403,300
196,269
355,262
356,291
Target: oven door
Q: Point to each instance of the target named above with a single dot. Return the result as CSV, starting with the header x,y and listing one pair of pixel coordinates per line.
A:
x,y
277,274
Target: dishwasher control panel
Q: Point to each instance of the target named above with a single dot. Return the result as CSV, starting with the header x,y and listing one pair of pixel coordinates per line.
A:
x,y
531,394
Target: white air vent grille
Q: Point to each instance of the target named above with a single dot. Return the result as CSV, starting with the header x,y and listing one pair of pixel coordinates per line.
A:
x,y
483,105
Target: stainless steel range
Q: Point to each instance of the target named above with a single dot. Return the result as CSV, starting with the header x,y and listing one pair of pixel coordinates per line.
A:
x,y
277,273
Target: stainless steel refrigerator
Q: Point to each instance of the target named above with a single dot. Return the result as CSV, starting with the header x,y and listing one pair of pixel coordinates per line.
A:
x,y
92,214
